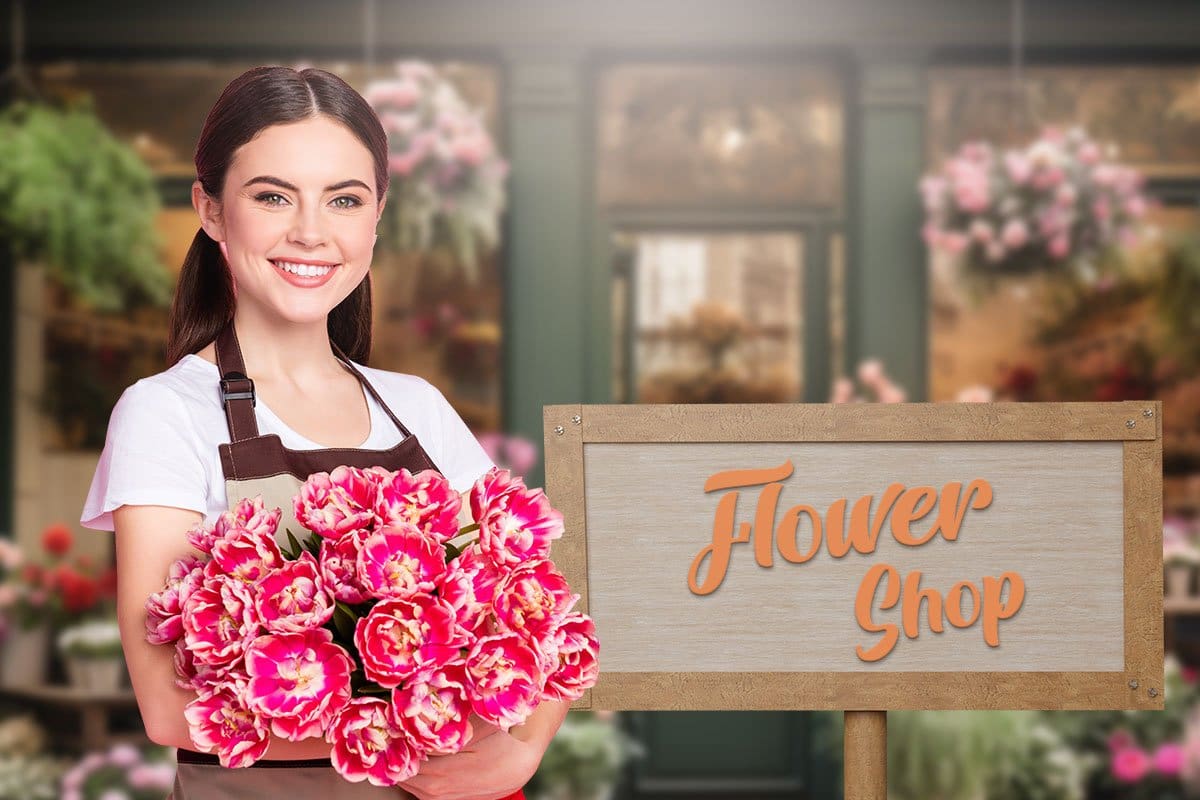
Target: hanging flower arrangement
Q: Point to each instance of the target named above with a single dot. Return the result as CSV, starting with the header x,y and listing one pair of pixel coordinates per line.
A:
x,y
1061,201
447,180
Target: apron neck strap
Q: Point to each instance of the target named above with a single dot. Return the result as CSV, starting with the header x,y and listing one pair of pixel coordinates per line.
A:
x,y
237,389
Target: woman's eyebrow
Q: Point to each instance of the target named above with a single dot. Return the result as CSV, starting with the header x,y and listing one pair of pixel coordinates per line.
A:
x,y
280,182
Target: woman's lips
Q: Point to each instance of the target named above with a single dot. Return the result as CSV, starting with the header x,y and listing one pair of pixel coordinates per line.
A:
x,y
304,281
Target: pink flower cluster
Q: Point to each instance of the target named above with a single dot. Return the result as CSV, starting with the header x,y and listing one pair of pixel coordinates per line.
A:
x,y
1130,763
440,152
123,771
1058,199
376,631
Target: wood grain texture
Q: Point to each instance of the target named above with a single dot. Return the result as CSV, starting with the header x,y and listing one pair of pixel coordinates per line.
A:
x,y
1076,511
865,738
564,489
867,422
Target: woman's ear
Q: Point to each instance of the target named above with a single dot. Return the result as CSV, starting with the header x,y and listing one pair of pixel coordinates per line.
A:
x,y
210,213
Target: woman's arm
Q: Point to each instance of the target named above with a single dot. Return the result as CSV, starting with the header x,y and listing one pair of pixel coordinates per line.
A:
x,y
148,540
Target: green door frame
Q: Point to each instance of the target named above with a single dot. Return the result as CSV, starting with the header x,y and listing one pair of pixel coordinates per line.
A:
x,y
815,229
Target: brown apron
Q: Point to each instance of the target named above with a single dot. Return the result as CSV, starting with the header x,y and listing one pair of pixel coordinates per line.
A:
x,y
259,464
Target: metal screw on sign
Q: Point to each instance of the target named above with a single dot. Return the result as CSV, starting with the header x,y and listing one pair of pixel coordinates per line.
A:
x,y
559,429
1129,423
1153,692
577,419
1133,684
1148,412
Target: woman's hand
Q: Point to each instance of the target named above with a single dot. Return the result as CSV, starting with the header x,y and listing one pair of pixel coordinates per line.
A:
x,y
493,764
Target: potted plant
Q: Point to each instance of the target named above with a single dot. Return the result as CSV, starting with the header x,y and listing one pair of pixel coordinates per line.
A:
x,y
584,758
1180,557
82,203
447,179
123,771
43,595
27,770
92,652
28,604
1062,203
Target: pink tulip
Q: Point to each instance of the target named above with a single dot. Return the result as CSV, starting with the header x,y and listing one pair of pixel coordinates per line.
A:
x,y
469,585
293,598
332,504
506,679
221,721
369,743
399,639
219,620
252,515
298,681
516,524
575,661
164,623
533,599
425,500
339,567
435,711
246,553
399,561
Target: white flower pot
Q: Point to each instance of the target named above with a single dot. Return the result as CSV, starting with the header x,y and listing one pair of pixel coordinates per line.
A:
x,y
99,675
1179,580
24,655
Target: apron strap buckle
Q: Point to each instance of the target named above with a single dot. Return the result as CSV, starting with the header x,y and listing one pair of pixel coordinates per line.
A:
x,y
237,386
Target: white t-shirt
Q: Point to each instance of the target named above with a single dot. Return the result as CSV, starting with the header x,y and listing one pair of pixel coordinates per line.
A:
x,y
161,444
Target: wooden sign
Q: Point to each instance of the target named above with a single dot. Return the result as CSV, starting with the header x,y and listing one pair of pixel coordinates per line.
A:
x,y
865,556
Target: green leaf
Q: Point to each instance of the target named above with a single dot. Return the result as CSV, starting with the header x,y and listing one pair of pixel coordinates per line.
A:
x,y
295,544
344,620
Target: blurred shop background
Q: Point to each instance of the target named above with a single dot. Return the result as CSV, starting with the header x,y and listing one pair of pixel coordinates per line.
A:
x,y
631,202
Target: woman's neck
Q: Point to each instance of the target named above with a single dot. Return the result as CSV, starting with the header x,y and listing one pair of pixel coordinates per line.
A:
x,y
302,352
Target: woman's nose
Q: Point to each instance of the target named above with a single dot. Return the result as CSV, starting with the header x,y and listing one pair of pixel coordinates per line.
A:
x,y
308,229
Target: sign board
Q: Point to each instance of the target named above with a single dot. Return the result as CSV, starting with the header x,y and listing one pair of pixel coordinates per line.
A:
x,y
865,556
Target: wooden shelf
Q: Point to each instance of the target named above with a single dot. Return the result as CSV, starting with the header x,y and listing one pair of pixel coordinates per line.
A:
x,y
62,694
94,327
92,710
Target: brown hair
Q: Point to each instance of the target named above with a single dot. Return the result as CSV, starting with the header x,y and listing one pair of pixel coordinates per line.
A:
x,y
258,98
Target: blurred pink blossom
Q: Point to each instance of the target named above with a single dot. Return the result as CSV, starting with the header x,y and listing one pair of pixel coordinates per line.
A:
x,y
1130,764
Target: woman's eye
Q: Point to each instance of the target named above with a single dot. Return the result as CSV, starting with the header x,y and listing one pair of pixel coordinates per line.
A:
x,y
266,197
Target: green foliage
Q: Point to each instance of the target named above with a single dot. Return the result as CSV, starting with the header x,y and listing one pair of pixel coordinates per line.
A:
x,y
78,200
1089,732
973,755
585,755
1176,295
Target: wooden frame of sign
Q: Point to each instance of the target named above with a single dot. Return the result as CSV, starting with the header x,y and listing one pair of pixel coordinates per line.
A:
x,y
1051,536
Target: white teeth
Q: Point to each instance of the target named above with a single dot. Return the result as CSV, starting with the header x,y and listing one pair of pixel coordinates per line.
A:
x,y
306,270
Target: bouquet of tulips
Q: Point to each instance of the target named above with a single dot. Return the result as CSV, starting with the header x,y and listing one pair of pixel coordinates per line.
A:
x,y
372,628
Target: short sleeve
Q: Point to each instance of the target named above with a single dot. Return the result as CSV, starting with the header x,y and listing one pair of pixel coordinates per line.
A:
x,y
151,456
460,457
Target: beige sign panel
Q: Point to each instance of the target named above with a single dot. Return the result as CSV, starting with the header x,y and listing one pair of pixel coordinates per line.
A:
x,y
865,556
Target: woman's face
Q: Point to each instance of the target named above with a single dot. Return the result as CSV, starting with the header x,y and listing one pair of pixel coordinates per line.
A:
x,y
300,194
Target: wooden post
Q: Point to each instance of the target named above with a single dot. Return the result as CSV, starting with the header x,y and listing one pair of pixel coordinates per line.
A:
x,y
865,755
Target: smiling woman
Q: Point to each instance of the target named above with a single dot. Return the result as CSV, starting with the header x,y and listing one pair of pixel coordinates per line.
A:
x,y
274,300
